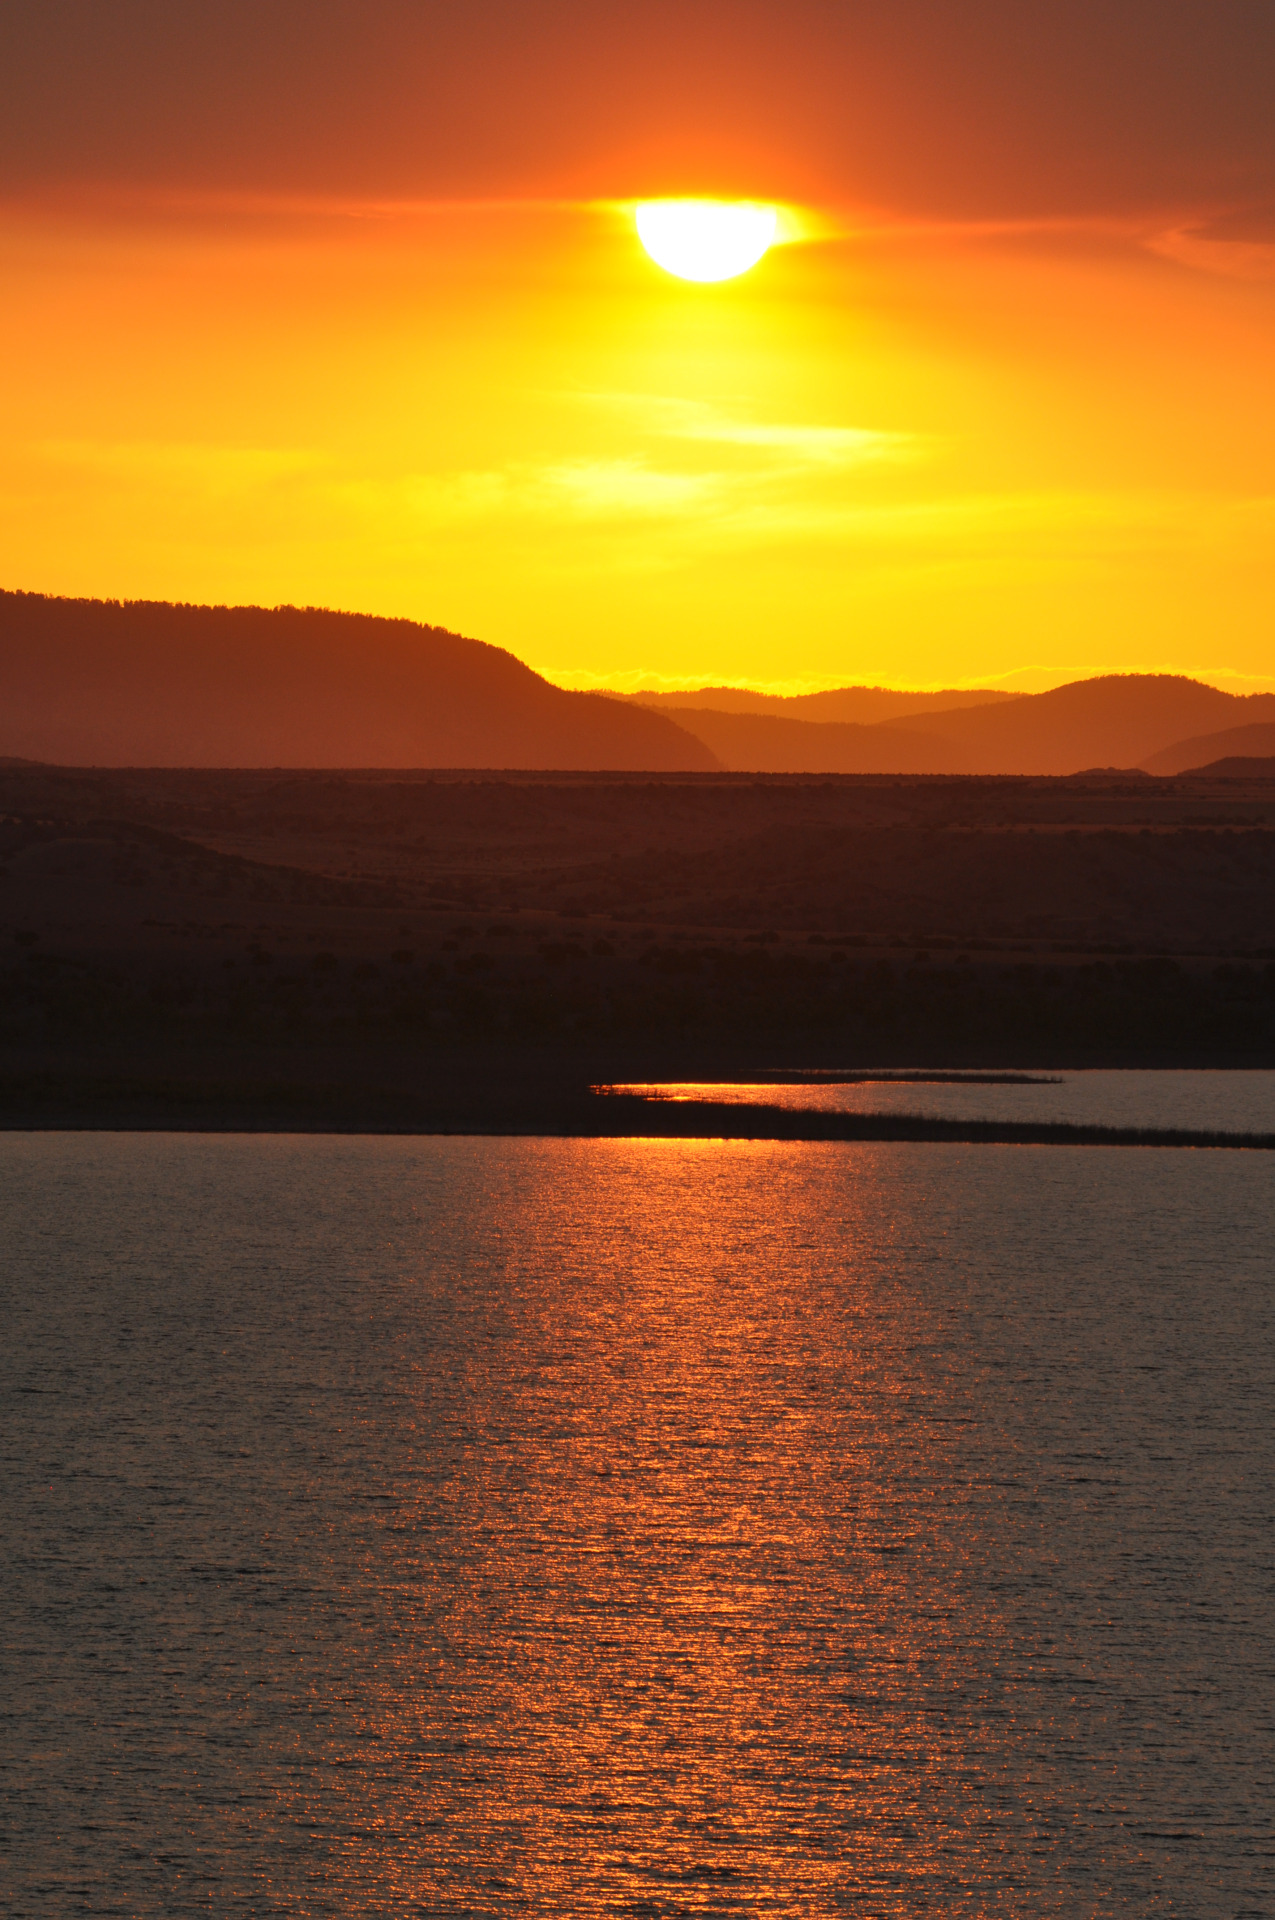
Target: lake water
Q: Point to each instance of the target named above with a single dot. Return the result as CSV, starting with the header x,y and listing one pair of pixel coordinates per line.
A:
x,y
1204,1100
517,1527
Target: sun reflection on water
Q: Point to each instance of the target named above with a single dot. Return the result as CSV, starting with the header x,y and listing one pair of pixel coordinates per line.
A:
x,y
485,1527
706,1625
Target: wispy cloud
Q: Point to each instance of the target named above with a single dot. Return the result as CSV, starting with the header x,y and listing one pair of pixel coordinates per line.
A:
x,y
610,487
526,494
1234,259
818,445
663,416
636,514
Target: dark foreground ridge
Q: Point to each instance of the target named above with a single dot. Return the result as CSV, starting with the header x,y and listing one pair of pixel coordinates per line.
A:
x,y
411,953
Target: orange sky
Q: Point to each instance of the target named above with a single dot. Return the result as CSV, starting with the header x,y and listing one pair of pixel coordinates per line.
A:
x,y
1011,417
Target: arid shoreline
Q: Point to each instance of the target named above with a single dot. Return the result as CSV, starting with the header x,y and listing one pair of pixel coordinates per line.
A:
x,y
521,1093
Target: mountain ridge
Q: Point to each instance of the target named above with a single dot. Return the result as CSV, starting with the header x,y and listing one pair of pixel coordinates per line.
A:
x,y
1254,741
1147,721
861,705
117,683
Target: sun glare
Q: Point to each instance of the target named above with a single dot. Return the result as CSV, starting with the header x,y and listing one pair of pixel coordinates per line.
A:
x,y
705,240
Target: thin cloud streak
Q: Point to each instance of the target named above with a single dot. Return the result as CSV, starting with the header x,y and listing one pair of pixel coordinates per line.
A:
x,y
729,506
664,416
1232,259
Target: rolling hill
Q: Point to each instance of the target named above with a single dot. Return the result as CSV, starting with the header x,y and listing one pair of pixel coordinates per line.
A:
x,y
1238,767
1115,720
1159,722
1253,742
145,683
764,743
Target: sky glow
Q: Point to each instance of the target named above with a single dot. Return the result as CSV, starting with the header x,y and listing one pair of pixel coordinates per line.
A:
x,y
990,414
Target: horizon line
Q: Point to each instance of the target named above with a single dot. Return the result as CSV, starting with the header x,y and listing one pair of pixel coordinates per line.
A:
x,y
628,682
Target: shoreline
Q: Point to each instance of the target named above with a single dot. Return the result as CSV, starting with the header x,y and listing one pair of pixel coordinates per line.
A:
x,y
646,1120
529,1092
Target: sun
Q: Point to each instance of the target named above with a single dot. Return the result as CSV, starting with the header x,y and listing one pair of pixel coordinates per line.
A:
x,y
706,240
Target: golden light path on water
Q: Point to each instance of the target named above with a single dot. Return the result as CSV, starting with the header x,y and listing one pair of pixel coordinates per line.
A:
x,y
489,1527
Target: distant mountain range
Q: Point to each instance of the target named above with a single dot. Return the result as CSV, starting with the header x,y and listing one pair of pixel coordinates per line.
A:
x,y
862,705
1162,723
1252,742
145,683
1239,766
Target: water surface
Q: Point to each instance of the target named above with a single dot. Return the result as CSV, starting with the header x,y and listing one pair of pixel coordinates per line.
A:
x,y
498,1527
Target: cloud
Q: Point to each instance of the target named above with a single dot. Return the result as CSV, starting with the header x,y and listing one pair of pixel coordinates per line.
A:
x,y
604,488
665,417
1019,531
1208,253
817,445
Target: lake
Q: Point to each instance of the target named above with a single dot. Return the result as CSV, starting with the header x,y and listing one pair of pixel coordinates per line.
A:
x,y
496,1527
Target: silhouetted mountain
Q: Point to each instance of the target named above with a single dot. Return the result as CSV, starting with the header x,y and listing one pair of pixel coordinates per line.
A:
x,y
143,683
1118,720
1202,752
762,743
1237,767
863,706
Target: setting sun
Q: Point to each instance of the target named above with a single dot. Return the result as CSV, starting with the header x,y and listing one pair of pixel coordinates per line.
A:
x,y
705,240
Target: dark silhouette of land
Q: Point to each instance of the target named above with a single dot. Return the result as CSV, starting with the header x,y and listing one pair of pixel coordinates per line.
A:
x,y
142,683
100,683
472,951
859,706
1239,767
1250,743
1162,723
766,743
304,942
